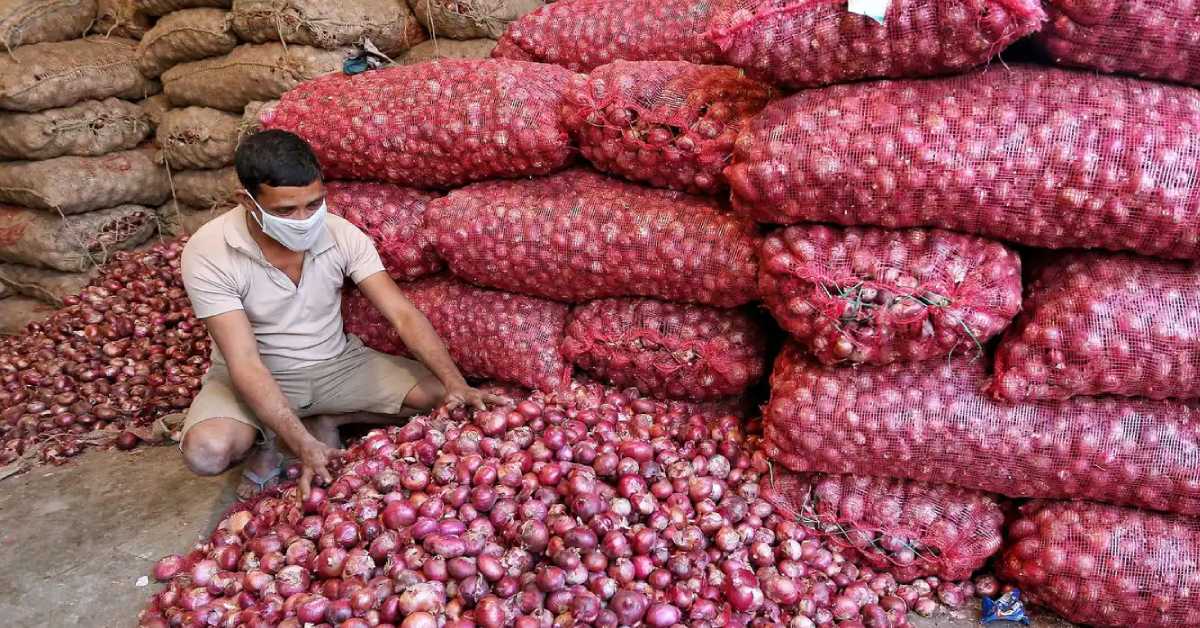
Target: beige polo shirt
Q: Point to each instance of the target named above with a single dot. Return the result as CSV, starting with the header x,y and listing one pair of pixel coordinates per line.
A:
x,y
296,326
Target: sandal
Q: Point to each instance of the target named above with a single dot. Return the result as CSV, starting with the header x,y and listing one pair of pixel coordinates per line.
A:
x,y
251,484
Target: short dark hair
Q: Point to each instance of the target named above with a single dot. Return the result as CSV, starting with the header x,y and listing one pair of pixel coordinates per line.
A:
x,y
275,158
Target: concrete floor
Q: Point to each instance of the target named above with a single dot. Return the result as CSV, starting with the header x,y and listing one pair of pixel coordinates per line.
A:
x,y
75,540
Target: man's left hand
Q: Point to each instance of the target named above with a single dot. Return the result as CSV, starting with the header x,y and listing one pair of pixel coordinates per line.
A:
x,y
472,398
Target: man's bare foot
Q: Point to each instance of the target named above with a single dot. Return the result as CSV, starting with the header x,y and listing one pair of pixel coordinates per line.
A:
x,y
260,471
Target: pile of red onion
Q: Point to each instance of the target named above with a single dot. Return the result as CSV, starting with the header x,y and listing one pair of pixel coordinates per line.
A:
x,y
123,352
584,507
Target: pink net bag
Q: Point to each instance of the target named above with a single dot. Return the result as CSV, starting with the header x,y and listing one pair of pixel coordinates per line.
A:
x,y
1157,39
671,124
929,421
394,217
1106,566
808,43
874,296
586,34
1044,157
667,350
578,236
905,528
1104,324
490,334
432,125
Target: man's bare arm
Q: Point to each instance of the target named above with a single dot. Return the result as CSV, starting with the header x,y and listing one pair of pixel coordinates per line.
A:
x,y
257,387
421,339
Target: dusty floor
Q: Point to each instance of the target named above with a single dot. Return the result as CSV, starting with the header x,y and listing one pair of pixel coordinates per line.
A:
x,y
76,540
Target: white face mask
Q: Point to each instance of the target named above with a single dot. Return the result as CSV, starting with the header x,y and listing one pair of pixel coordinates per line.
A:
x,y
296,235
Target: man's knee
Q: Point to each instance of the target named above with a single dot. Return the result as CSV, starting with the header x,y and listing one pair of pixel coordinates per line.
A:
x,y
210,448
426,395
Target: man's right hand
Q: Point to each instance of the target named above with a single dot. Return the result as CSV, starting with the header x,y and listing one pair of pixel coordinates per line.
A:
x,y
315,457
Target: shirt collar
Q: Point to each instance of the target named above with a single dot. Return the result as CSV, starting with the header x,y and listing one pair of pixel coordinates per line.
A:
x,y
237,235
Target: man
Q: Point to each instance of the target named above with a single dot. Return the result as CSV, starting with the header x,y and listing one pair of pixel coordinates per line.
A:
x,y
266,278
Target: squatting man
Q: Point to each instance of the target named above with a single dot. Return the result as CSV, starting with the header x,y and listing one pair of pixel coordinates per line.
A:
x,y
266,278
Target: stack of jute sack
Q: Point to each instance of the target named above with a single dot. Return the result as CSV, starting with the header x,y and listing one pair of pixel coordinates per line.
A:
x,y
220,62
463,29
77,177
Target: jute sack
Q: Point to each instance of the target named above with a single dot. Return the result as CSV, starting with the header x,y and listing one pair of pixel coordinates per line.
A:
x,y
389,24
17,312
206,189
43,284
163,7
24,22
198,137
250,72
176,219
470,19
182,36
73,185
119,18
93,127
155,108
435,49
5,291
252,117
59,74
72,243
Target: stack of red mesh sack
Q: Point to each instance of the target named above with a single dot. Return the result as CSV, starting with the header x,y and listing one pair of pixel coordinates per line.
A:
x,y
432,125
585,34
800,43
665,264
1149,38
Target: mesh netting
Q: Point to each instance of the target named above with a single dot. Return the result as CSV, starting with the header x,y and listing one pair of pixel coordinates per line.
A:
x,y
930,421
1044,157
1105,324
908,529
490,334
667,350
586,34
807,43
578,236
671,124
394,218
432,125
875,296
1106,566
1150,38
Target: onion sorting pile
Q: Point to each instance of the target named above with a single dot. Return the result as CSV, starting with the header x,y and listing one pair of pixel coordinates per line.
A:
x,y
123,352
584,507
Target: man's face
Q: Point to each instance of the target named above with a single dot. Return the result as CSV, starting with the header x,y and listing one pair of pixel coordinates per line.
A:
x,y
289,203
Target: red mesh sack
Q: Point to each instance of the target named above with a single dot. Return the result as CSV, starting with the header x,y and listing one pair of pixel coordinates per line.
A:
x,y
806,43
930,421
671,124
490,334
432,125
578,236
1157,39
875,296
586,34
1044,157
394,217
1104,324
908,529
667,350
1106,566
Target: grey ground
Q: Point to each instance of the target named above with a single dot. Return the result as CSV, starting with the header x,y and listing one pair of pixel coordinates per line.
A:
x,y
74,540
